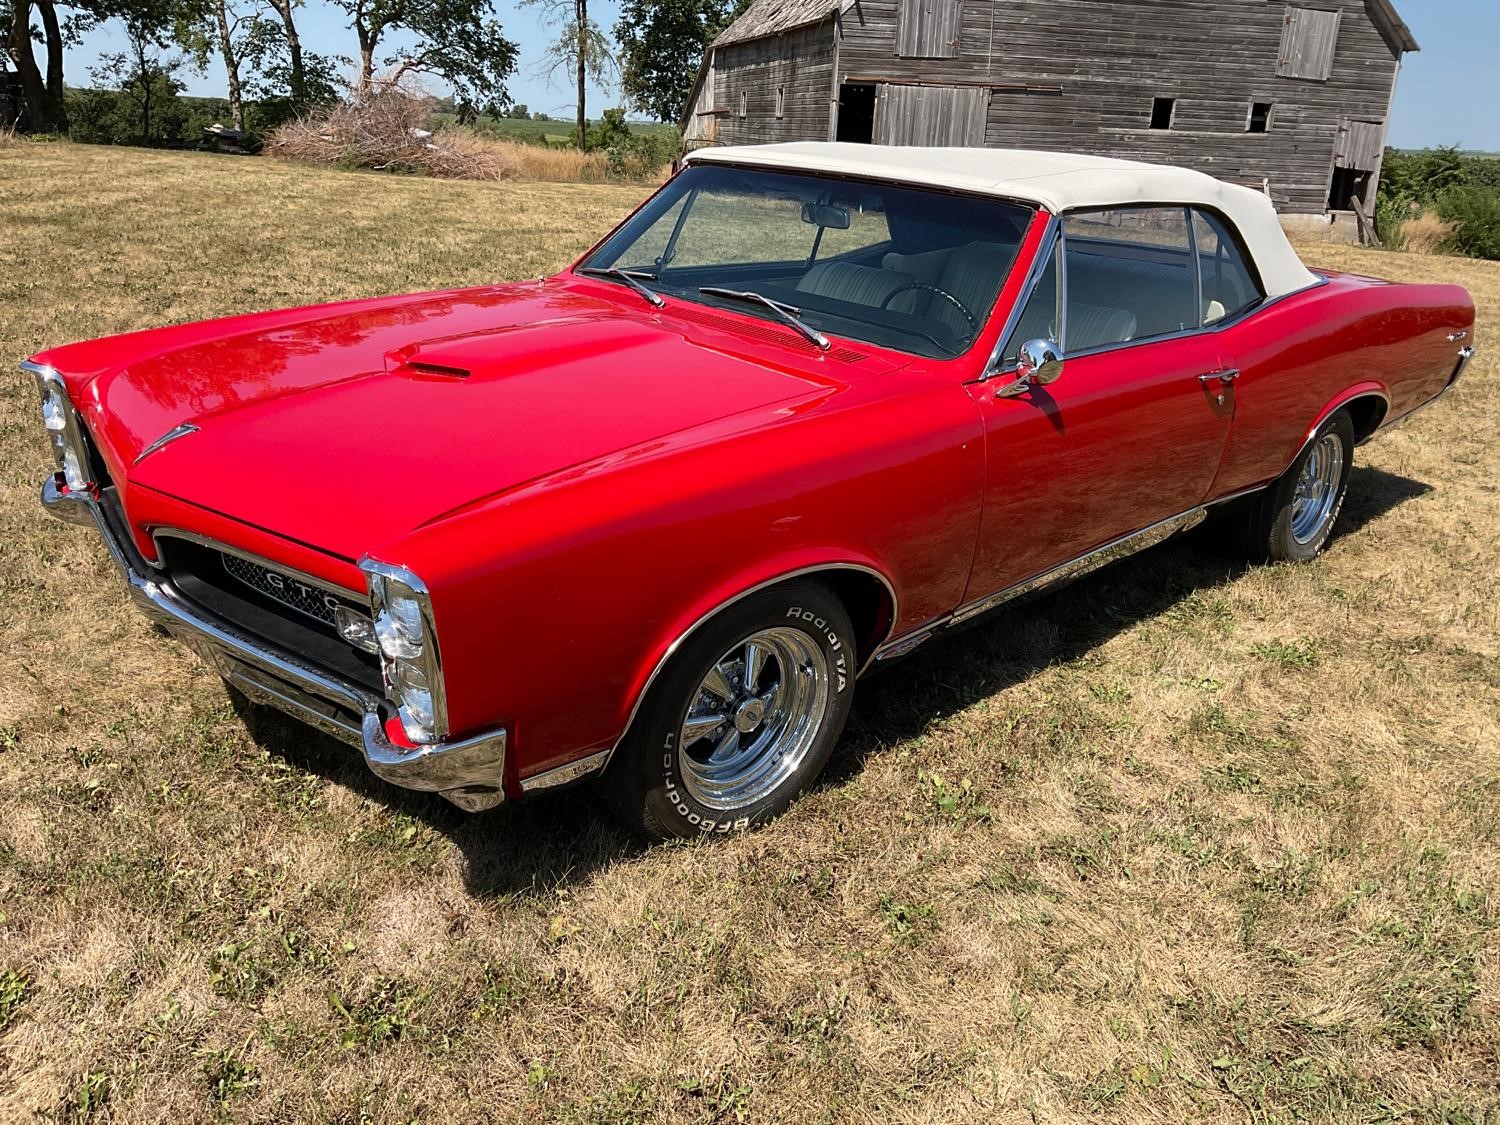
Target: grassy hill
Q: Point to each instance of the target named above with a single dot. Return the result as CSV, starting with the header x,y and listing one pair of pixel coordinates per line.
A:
x,y
1184,841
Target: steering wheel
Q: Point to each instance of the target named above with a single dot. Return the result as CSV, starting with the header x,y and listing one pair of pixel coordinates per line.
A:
x,y
963,309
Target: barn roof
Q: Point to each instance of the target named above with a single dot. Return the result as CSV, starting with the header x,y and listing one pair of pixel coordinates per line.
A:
x,y
1392,26
772,17
1058,181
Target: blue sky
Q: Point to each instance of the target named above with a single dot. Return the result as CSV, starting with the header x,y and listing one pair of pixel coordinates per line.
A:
x,y
1449,91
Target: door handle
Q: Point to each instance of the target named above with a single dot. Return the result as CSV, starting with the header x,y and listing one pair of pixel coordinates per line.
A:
x,y
1223,378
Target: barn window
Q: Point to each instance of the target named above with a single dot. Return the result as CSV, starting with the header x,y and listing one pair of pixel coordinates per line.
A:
x,y
1162,110
780,101
1260,118
744,103
1309,37
928,29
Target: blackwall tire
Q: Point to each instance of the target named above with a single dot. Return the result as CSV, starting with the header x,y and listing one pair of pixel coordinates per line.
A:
x,y
742,719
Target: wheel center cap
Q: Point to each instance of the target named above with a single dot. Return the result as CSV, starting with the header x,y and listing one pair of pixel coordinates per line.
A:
x,y
749,715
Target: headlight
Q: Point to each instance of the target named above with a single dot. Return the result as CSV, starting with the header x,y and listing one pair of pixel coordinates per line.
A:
x,y
409,659
64,431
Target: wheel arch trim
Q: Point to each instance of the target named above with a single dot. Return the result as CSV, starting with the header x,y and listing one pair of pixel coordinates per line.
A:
x,y
601,761
1369,389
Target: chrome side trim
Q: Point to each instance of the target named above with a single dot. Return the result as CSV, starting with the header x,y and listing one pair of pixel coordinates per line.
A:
x,y
911,641
1083,564
166,439
469,772
565,775
1113,551
672,648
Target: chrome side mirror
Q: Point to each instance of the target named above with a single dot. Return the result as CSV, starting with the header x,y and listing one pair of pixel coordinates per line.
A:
x,y
1040,363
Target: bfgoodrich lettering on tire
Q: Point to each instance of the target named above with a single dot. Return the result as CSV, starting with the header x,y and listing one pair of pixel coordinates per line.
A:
x,y
742,719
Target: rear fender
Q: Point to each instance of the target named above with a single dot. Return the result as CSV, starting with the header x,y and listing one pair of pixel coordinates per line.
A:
x,y
1369,391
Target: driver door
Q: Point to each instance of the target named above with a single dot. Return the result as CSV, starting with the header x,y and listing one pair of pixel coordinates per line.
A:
x,y
1133,430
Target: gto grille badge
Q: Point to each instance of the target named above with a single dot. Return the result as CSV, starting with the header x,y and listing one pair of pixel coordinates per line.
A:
x,y
166,439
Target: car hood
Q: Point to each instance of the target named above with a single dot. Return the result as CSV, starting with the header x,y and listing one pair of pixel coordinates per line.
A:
x,y
346,427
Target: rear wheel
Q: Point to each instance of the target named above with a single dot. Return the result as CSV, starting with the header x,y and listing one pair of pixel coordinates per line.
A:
x,y
742,720
1293,518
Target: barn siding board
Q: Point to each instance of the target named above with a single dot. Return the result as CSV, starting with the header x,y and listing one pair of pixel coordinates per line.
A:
x,y
1360,145
799,61
928,29
1110,58
931,115
1309,37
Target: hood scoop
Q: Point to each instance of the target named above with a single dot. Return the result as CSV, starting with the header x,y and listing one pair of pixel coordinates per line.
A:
x,y
425,363
519,349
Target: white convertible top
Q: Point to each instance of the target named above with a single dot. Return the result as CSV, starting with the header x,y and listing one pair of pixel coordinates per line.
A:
x,y
1056,181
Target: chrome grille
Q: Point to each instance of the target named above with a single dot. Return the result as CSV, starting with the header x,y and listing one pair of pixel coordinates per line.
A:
x,y
288,589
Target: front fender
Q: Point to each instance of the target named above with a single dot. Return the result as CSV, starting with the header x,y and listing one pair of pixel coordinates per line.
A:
x,y
557,605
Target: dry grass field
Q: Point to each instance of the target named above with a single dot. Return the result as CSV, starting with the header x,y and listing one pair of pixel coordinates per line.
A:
x,y
1187,841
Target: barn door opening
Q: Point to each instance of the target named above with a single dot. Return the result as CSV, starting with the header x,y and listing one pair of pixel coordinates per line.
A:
x,y
942,116
856,113
1356,156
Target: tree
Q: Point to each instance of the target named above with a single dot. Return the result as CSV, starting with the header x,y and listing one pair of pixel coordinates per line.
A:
x,y
239,33
458,41
662,44
580,46
297,85
43,90
143,72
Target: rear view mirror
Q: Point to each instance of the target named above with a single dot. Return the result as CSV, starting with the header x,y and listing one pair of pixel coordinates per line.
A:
x,y
824,215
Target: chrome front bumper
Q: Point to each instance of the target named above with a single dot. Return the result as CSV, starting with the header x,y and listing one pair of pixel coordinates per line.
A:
x,y
470,773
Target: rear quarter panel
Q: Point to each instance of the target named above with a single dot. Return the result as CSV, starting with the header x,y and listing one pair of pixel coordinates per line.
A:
x,y
1303,357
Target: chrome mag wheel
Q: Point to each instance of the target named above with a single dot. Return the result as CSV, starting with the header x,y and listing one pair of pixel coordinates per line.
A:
x,y
755,716
1317,491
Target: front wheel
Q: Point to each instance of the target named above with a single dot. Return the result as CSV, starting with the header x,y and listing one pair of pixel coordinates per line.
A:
x,y
1292,520
743,718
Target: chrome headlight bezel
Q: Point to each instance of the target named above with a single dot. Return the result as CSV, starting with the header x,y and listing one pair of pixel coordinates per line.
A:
x,y
411,663
65,432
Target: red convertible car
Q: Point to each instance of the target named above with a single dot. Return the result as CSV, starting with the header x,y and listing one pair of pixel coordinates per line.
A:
x,y
651,519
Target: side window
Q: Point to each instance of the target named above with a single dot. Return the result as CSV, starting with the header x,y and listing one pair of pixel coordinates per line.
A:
x,y
1040,318
1130,276
1229,287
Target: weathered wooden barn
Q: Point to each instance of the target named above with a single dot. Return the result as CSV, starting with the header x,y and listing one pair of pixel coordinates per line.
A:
x,y
1292,97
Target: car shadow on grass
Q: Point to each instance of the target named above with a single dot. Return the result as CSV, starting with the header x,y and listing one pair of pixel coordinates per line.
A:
x,y
536,846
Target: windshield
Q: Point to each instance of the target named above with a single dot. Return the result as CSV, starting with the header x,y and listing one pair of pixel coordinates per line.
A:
x,y
899,267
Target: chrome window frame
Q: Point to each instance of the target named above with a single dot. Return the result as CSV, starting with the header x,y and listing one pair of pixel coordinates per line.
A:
x,y
1056,234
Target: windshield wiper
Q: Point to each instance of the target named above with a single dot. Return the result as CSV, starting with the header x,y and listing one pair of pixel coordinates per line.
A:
x,y
632,278
791,314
